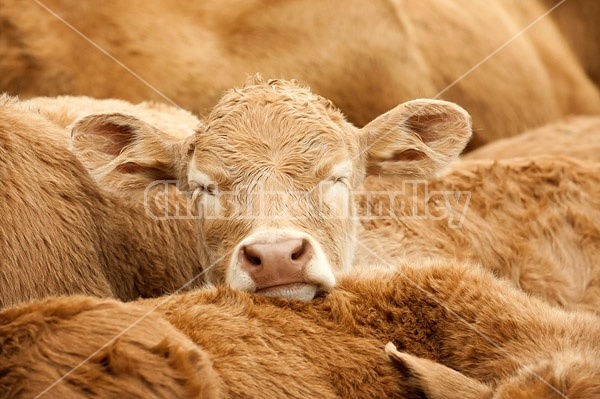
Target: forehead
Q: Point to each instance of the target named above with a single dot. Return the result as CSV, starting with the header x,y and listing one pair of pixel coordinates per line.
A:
x,y
284,128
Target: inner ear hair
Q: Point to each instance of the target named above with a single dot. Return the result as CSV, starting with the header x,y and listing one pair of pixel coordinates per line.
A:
x,y
115,143
417,139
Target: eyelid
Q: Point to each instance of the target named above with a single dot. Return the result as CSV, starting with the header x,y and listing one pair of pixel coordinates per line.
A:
x,y
210,188
341,179
200,182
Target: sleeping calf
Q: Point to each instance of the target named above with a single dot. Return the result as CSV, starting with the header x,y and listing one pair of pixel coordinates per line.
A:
x,y
282,183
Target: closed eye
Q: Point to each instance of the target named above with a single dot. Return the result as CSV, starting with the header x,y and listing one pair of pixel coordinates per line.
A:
x,y
341,179
203,189
341,172
200,183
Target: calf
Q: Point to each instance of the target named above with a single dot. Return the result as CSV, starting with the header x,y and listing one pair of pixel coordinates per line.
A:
x,y
492,57
62,234
150,358
279,179
272,170
460,332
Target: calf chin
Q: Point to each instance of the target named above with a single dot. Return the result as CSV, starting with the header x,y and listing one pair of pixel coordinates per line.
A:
x,y
305,292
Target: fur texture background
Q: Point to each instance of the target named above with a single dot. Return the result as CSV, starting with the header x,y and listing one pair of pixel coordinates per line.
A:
x,y
456,315
365,58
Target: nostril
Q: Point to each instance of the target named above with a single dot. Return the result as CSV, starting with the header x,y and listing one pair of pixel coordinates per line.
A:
x,y
252,258
298,252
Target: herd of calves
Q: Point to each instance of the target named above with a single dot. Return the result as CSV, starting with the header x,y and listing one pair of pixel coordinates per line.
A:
x,y
278,245
484,283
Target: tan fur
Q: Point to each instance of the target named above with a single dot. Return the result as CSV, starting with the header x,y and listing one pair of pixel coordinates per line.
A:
x,y
62,234
273,137
577,137
148,359
493,336
65,110
533,221
367,58
578,21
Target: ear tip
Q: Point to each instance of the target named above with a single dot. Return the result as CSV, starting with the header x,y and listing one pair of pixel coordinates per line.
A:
x,y
462,120
113,117
429,103
390,348
80,127
393,353
92,122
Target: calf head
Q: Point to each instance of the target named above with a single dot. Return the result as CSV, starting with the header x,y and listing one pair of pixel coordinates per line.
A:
x,y
272,169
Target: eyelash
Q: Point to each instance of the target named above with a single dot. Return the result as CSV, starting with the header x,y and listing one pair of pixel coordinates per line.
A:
x,y
209,189
343,180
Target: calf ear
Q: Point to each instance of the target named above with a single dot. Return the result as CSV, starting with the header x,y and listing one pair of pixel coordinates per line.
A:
x,y
120,149
416,139
436,381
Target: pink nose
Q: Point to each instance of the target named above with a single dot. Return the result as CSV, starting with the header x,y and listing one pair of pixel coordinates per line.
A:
x,y
277,263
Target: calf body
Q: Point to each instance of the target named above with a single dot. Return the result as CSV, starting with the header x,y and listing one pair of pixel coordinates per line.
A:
x,y
62,234
533,221
577,21
577,137
460,332
367,58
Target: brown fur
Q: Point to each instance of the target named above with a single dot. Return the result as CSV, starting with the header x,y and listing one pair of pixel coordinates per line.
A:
x,y
127,353
367,58
578,21
482,334
577,137
62,234
533,221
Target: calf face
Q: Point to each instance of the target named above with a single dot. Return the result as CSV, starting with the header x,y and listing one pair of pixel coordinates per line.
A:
x,y
272,170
